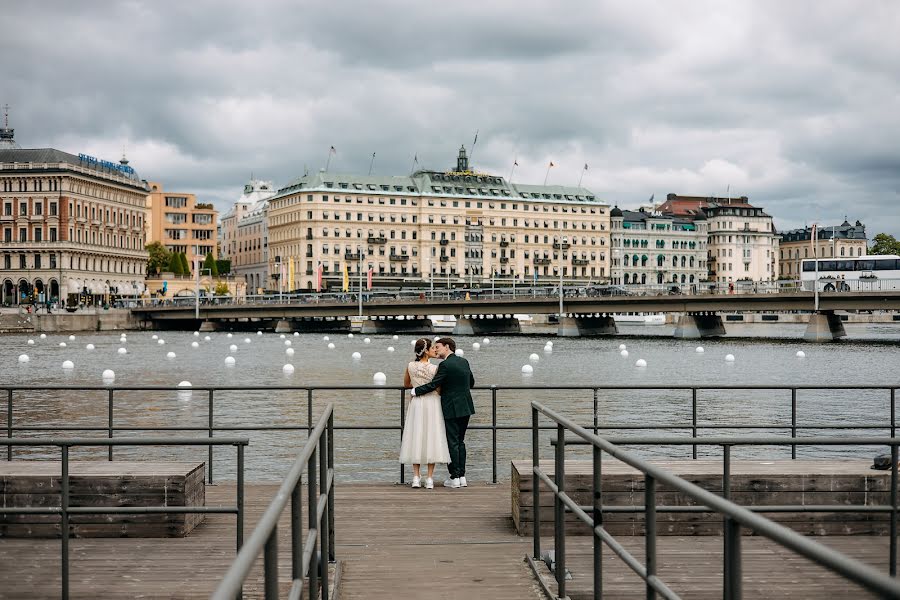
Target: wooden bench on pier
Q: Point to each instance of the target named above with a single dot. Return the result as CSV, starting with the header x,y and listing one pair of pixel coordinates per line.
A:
x,y
753,483
27,483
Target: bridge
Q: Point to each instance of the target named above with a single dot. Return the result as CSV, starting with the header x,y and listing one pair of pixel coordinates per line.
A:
x,y
580,315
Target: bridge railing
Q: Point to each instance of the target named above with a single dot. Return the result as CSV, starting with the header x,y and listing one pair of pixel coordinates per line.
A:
x,y
593,396
735,517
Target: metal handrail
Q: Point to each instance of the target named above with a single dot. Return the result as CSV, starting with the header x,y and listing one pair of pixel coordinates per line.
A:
x,y
65,510
735,516
694,426
304,556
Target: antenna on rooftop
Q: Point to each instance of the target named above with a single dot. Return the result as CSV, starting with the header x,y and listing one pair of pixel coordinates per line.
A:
x,y
6,116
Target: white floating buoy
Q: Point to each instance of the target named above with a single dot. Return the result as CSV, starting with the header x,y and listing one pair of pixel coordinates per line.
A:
x,y
281,336
195,344
640,363
196,333
412,342
527,369
289,351
624,353
43,336
390,348
621,346
288,369
229,336
160,342
356,356
154,337
367,341
185,384
71,338
459,352
246,340
296,334
287,342
475,345
801,354
699,350
548,349
170,355
68,364
549,343
89,347
62,344
331,346
350,335
206,338
325,338
122,351
184,394
259,333
396,337
229,361
534,357
23,358
109,375
31,342
379,378
485,341
729,358
233,348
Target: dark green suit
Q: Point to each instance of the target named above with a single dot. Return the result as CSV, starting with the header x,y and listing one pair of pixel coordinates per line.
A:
x,y
455,379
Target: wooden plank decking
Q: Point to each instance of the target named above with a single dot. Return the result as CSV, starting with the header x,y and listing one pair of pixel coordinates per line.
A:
x,y
396,542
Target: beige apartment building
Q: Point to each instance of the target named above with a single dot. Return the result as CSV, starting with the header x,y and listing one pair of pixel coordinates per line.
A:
x,y
844,240
455,228
245,235
181,223
742,241
72,226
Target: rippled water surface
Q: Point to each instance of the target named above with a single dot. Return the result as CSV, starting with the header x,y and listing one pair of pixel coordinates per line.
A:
x,y
871,357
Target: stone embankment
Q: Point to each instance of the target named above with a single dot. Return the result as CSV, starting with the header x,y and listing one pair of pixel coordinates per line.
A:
x,y
102,320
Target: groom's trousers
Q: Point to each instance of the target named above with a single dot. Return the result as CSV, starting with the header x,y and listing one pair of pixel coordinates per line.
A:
x,y
456,440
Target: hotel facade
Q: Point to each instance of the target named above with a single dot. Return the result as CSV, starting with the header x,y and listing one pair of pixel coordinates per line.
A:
x,y
453,228
71,227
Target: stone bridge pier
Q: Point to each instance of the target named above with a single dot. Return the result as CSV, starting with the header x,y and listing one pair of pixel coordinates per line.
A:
x,y
483,324
591,324
824,326
694,326
376,325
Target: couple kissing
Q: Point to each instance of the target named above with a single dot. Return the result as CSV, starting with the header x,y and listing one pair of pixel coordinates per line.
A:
x,y
439,411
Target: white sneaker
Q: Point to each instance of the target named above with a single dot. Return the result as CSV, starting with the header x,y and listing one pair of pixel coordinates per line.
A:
x,y
451,483
462,482
429,483
415,482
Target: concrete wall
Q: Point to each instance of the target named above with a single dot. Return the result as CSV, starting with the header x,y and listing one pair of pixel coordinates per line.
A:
x,y
102,321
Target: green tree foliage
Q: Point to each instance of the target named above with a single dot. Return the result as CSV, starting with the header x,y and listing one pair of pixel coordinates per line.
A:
x,y
884,243
185,265
223,266
221,289
175,264
159,258
210,263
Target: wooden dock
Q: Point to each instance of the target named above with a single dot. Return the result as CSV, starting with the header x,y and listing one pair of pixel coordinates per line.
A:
x,y
396,542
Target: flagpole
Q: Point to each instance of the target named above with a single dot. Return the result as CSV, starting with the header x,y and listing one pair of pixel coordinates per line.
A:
x,y
328,162
371,163
414,163
472,149
582,174
513,169
550,166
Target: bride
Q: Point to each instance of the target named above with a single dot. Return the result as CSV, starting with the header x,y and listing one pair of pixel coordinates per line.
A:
x,y
424,439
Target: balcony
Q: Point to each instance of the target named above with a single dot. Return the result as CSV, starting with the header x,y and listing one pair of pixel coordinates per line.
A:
x,y
580,262
309,271
564,245
504,260
445,259
444,242
309,236
377,240
399,257
504,244
541,261
355,256
309,255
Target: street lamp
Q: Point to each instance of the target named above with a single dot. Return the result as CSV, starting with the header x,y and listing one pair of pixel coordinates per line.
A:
x,y
197,290
360,256
430,278
562,242
277,275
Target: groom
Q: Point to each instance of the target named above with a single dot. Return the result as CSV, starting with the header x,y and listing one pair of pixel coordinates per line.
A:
x,y
455,379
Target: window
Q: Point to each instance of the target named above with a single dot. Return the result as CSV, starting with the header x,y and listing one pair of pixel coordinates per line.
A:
x,y
23,208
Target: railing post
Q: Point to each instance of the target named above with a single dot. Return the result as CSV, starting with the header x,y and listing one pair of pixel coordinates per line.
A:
x,y
694,420
330,446
726,522
402,425
893,413
110,421
270,564
312,507
239,538
793,421
598,521
297,531
535,483
309,418
733,587
210,428
559,511
494,432
9,422
650,532
596,411
322,524
64,520
893,551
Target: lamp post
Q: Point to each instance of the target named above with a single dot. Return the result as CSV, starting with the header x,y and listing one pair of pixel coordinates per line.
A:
x,y
562,242
277,275
197,290
430,278
493,287
361,256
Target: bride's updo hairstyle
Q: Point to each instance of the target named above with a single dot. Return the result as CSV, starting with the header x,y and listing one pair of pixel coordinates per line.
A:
x,y
422,346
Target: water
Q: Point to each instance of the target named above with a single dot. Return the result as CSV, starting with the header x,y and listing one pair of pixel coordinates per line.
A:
x,y
871,358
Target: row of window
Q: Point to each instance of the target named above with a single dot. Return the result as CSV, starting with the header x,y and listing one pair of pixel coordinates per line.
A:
x,y
74,262
30,185
829,250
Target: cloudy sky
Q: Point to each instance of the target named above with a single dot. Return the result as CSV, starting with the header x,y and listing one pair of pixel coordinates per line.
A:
x,y
794,104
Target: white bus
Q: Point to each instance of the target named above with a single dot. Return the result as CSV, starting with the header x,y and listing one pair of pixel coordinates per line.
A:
x,y
871,273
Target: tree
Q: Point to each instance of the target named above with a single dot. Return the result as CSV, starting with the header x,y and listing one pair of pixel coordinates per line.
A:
x,y
223,266
185,265
159,258
885,244
221,289
210,263
175,264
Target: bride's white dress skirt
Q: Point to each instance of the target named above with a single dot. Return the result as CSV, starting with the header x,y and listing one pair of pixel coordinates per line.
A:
x,y
424,438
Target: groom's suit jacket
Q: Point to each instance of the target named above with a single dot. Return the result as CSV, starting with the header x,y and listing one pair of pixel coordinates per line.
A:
x,y
455,379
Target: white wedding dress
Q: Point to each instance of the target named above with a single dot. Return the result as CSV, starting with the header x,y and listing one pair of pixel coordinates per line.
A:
x,y
424,438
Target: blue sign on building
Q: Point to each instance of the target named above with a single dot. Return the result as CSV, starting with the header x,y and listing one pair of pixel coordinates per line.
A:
x,y
105,164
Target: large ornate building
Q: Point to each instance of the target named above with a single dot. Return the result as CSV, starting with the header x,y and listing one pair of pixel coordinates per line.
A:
x,y
652,248
72,226
844,240
456,227
245,235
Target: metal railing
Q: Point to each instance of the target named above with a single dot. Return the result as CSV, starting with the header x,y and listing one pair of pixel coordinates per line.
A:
x,y
65,509
695,426
305,560
734,516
